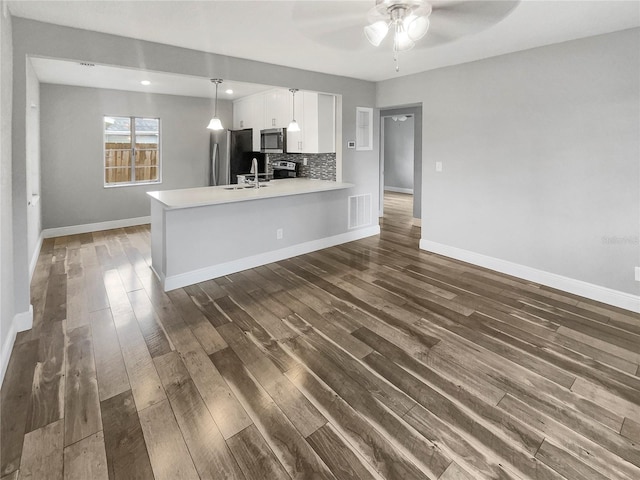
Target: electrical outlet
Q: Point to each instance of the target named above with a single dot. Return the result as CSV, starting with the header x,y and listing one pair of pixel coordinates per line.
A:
x,y
279,234
305,161
438,166
637,274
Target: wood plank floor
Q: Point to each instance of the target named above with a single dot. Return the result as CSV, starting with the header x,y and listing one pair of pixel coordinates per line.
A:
x,y
370,360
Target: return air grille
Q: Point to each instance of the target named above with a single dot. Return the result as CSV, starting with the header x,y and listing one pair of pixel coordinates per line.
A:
x,y
359,210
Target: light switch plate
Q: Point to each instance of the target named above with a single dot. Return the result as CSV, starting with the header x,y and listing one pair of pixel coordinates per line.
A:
x,y
438,166
637,274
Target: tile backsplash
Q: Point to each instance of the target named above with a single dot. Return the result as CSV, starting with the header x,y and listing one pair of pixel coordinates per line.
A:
x,y
321,166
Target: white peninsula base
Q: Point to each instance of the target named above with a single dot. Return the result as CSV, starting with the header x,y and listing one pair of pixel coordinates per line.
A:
x,y
199,234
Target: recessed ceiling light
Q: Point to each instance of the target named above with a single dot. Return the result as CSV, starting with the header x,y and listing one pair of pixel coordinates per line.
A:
x,y
145,82
229,91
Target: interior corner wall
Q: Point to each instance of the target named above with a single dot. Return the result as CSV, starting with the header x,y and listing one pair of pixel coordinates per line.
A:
x,y
540,156
7,305
72,137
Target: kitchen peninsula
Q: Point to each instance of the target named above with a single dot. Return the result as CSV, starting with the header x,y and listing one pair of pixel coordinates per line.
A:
x,y
202,233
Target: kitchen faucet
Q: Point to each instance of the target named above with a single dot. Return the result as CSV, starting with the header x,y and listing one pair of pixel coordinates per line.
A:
x,y
254,168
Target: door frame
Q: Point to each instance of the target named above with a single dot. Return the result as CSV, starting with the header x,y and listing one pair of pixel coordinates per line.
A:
x,y
416,111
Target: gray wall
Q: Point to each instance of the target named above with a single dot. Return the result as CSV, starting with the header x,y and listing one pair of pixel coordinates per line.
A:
x,y
540,153
7,303
72,148
398,153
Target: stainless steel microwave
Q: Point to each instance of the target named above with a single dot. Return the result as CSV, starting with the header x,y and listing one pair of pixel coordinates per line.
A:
x,y
273,140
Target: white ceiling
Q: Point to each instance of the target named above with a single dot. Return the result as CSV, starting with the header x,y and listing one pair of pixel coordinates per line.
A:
x,y
326,36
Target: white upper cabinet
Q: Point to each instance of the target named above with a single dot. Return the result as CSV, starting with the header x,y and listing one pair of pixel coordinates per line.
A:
x,y
258,120
314,112
277,108
242,116
248,112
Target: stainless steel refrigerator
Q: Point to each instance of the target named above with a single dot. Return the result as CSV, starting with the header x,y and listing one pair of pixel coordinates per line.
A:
x,y
227,163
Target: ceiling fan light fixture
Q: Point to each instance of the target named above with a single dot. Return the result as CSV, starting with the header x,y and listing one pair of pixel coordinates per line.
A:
x,y
402,41
416,27
408,18
376,32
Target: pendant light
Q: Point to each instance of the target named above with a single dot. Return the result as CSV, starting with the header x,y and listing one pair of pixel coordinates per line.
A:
x,y
293,125
215,123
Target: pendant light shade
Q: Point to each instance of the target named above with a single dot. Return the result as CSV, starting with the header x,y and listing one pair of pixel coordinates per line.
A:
x,y
215,123
293,125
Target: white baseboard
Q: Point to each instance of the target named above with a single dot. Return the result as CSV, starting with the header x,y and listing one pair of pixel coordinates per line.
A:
x,y
95,227
189,278
21,322
570,285
34,257
399,190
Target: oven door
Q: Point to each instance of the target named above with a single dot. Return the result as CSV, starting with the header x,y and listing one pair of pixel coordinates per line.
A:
x,y
282,173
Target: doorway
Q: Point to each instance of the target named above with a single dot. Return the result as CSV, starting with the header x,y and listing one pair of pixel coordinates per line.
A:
x,y
401,158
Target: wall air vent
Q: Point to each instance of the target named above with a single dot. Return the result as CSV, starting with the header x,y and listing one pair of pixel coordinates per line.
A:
x,y
86,64
359,210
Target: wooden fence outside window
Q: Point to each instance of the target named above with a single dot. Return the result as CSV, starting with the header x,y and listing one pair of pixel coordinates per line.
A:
x,y
118,163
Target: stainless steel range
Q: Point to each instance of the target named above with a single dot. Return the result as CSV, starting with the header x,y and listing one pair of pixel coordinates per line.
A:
x,y
284,169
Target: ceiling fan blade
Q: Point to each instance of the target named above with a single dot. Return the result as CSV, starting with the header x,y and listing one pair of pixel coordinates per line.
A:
x,y
334,24
451,20
334,13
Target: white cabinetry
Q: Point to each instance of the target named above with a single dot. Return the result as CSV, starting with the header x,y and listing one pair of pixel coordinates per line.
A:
x,y
257,123
315,113
248,112
241,113
277,108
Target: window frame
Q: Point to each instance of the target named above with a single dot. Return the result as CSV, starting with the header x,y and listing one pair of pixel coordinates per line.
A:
x,y
134,150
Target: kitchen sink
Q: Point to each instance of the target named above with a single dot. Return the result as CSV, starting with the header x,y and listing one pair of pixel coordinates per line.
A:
x,y
242,187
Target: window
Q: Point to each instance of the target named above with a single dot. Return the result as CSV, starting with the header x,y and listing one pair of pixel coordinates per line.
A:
x,y
131,150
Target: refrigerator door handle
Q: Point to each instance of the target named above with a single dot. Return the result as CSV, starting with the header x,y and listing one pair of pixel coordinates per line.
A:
x,y
214,165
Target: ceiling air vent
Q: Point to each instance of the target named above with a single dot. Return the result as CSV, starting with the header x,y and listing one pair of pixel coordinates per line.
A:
x,y
87,64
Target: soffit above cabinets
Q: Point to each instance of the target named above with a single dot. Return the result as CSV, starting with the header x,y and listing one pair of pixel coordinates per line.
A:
x,y
65,72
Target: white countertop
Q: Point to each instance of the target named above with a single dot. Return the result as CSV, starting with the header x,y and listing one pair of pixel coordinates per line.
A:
x,y
202,196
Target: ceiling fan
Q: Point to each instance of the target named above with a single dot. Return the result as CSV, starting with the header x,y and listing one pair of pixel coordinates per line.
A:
x,y
399,24
408,20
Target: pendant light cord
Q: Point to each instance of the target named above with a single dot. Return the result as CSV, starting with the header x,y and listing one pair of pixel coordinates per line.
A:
x,y
215,110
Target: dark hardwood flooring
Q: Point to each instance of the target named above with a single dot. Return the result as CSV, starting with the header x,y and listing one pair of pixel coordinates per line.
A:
x,y
370,360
